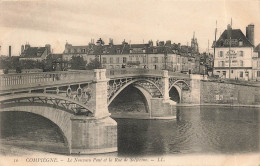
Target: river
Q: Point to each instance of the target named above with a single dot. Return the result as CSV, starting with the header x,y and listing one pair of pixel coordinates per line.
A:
x,y
197,130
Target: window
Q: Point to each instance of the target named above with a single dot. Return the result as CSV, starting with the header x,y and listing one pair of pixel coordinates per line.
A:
x,y
241,63
241,74
118,51
258,63
144,59
155,60
154,50
144,51
82,50
131,51
241,53
234,62
240,43
178,60
258,73
224,74
137,58
104,60
124,59
117,60
221,64
111,60
232,71
130,58
220,54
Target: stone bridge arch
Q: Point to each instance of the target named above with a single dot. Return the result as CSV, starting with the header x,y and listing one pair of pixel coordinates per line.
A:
x,y
179,85
137,83
59,117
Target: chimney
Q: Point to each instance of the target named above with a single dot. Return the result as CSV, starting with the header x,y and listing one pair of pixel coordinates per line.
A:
x,y
10,51
111,41
22,48
27,45
229,30
150,43
48,47
250,34
168,43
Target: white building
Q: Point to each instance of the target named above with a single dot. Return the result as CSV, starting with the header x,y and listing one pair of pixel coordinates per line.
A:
x,y
234,54
162,56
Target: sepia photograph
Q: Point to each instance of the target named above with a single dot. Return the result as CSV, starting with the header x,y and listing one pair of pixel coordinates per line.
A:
x,y
130,82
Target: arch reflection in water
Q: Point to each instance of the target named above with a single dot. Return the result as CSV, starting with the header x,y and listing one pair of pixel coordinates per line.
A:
x,y
218,130
31,131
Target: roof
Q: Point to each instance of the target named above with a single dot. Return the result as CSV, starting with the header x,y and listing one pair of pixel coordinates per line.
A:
x,y
33,52
236,36
125,48
257,48
55,56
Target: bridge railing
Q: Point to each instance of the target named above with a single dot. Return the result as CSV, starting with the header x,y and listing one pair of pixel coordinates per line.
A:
x,y
28,79
113,73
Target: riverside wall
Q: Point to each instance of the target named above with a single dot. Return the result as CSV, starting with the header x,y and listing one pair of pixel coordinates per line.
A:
x,y
228,93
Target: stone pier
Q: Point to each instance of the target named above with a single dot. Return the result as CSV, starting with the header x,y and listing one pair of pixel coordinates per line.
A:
x,y
163,107
97,134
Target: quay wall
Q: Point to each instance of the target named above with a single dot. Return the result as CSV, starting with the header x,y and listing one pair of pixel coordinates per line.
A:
x,y
228,93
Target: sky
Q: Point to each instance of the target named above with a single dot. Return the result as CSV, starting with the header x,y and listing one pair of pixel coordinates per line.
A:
x,y
136,21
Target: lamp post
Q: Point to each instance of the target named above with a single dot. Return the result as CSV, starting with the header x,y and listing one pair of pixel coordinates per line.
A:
x,y
100,50
165,58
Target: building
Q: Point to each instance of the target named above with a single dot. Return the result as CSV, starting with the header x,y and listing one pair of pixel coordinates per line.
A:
x,y
256,63
234,53
163,55
34,53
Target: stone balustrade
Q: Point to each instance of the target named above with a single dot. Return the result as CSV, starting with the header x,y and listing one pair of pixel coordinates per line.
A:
x,y
27,80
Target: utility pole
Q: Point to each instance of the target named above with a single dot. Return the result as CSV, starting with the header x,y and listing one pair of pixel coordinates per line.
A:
x,y
229,58
214,49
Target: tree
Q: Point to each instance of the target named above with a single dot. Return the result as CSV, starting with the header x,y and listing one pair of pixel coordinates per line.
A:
x,y
94,64
78,63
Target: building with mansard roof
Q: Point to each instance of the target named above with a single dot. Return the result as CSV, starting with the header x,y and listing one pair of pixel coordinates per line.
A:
x,y
234,54
159,56
34,53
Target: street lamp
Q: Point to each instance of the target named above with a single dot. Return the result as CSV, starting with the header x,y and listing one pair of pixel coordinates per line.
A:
x,y
165,57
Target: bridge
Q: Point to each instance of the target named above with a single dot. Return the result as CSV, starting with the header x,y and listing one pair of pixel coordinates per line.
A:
x,y
77,101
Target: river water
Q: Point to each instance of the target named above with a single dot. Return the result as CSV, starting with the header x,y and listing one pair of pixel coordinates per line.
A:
x,y
205,129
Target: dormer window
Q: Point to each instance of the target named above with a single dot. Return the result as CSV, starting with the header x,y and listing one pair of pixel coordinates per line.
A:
x,y
118,51
240,43
144,50
155,50
131,51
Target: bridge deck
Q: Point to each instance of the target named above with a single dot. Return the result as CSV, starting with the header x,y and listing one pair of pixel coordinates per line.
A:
x,y
25,81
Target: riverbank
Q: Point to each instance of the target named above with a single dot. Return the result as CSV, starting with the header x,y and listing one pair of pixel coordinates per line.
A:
x,y
214,104
126,115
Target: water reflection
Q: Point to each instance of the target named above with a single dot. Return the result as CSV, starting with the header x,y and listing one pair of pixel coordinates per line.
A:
x,y
196,130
